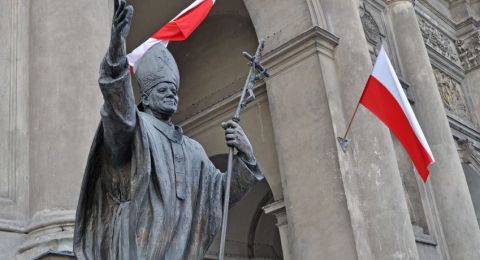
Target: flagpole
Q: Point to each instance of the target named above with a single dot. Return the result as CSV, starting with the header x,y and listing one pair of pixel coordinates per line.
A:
x,y
344,141
351,120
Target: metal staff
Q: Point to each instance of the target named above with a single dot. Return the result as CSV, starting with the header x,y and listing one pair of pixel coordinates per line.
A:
x,y
246,97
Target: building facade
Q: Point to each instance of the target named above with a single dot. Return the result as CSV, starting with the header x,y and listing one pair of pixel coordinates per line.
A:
x,y
317,202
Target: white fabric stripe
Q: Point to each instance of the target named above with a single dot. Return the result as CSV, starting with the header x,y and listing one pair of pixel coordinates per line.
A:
x,y
136,54
383,71
190,7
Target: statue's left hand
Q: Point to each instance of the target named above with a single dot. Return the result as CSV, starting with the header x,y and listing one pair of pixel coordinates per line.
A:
x,y
235,137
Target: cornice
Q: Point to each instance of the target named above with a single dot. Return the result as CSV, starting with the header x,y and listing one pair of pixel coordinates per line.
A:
x,y
220,111
313,40
455,26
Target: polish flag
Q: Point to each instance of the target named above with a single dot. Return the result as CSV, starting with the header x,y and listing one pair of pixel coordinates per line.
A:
x,y
178,29
384,97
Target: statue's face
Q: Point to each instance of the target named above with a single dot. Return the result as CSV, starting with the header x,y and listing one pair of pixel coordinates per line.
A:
x,y
163,99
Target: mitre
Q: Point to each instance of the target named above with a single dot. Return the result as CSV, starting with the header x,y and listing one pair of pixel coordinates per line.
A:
x,y
155,66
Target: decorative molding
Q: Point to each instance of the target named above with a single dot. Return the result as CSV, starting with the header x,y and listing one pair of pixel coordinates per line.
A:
x,y
315,40
47,232
221,110
316,13
469,51
371,28
438,41
466,150
458,28
39,221
277,209
464,130
469,154
307,43
10,184
452,94
14,195
389,2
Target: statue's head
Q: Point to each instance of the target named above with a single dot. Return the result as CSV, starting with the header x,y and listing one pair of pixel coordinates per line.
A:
x,y
158,77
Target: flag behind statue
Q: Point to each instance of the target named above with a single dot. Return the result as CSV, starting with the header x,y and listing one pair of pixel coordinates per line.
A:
x,y
178,29
383,96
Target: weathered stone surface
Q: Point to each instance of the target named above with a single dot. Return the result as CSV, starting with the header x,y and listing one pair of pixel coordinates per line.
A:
x,y
446,175
50,110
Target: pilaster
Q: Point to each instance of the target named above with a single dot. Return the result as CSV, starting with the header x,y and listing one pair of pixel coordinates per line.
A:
x,y
370,173
277,209
313,192
68,41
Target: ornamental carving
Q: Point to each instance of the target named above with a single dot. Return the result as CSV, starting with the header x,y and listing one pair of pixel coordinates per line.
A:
x,y
438,41
469,51
452,94
466,150
371,28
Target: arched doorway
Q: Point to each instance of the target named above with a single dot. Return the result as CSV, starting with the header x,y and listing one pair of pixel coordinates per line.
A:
x,y
251,234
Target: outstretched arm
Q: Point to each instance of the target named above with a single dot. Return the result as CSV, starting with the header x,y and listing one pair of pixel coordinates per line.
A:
x,y
118,111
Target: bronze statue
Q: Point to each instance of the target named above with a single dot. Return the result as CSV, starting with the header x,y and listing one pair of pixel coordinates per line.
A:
x,y
149,192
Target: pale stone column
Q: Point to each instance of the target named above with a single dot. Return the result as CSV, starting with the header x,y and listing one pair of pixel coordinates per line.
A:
x,y
313,192
371,179
67,42
453,200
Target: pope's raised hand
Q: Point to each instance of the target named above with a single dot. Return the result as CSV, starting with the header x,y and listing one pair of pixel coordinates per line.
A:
x,y
235,137
122,18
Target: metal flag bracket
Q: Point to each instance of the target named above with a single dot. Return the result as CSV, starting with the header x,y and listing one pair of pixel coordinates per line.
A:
x,y
344,142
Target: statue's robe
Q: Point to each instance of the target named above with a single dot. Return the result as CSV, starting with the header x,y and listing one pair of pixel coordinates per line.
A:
x,y
159,197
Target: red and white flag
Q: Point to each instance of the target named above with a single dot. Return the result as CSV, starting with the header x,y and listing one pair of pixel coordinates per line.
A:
x,y
384,96
178,29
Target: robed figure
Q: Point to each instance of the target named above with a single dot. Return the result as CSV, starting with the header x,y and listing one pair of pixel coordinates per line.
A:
x,y
150,192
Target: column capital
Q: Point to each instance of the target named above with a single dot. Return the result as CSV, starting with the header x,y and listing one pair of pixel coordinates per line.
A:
x,y
278,210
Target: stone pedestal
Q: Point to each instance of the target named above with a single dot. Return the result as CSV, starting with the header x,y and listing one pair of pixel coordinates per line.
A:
x,y
446,175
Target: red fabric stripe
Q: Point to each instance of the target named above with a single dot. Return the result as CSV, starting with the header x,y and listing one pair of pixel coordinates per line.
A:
x,y
381,103
183,26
